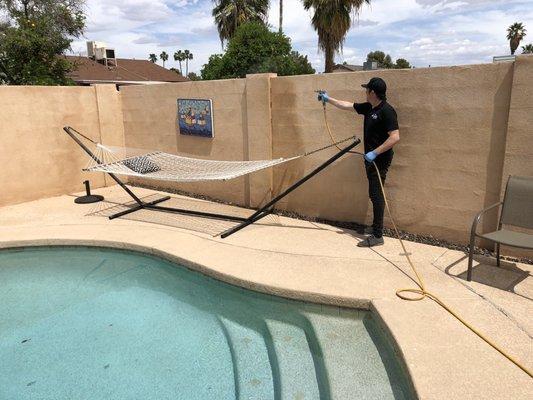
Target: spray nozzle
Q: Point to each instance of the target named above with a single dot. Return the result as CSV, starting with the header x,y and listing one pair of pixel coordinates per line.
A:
x,y
321,93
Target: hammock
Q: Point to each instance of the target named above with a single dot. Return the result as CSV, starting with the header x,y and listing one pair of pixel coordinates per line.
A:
x,y
163,166
169,167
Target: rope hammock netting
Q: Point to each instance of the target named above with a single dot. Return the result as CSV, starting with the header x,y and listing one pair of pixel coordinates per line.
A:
x,y
170,167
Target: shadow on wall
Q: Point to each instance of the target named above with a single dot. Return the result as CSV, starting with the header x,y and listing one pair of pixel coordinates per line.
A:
x,y
496,155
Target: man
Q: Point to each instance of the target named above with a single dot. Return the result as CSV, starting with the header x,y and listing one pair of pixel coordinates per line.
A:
x,y
380,135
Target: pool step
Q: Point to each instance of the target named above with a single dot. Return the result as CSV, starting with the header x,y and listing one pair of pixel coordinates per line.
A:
x,y
293,361
349,355
251,365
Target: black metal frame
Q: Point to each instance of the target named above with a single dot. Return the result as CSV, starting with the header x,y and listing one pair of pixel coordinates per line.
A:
x,y
473,235
259,214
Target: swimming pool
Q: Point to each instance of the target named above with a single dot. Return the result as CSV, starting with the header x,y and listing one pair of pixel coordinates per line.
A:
x,y
93,323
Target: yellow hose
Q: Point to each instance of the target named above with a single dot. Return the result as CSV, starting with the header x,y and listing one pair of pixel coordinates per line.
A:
x,y
421,292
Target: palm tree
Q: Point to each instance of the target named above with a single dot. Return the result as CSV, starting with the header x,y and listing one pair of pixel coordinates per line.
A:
x,y
178,56
332,19
527,49
164,57
152,57
515,33
230,14
280,16
187,55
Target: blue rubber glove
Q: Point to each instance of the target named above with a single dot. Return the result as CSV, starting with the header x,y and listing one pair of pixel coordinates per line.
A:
x,y
323,96
370,156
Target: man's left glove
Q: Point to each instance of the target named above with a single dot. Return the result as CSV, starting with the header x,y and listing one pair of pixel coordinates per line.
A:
x,y
323,96
370,156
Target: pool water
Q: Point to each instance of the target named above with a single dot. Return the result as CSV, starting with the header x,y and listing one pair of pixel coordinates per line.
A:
x,y
92,323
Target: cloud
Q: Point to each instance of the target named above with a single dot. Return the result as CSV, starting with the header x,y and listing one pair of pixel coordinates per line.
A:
x,y
463,2
145,40
365,22
436,32
440,50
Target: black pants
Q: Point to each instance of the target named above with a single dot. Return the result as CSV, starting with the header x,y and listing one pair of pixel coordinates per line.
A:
x,y
375,193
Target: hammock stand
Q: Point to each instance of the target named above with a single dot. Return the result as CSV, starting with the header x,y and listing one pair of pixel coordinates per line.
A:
x,y
243,222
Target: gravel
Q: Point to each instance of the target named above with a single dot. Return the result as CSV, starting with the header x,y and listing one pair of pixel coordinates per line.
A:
x,y
359,228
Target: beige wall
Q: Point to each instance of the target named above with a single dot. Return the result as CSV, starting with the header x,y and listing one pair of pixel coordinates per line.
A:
x,y
518,158
38,159
519,143
241,112
150,122
447,165
463,131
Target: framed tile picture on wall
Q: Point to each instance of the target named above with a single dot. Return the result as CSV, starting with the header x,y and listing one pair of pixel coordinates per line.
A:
x,y
195,117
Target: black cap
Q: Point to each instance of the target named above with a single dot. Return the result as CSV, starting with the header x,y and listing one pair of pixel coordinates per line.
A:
x,y
378,85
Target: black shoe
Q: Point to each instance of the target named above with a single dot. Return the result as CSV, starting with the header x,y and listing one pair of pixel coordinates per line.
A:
x,y
371,241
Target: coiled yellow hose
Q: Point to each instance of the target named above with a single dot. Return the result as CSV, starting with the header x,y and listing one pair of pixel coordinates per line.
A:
x,y
421,293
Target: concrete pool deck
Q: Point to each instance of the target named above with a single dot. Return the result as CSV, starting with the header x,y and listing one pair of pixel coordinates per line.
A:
x,y
320,263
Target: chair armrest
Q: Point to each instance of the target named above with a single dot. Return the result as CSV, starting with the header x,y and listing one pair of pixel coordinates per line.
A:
x,y
478,216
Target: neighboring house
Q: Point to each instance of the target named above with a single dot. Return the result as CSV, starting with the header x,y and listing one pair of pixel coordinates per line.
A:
x,y
347,68
102,66
125,72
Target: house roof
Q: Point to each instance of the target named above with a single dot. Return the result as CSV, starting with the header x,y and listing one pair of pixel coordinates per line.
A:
x,y
126,71
347,67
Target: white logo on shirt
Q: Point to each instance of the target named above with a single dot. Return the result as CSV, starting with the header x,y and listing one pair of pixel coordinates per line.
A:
x,y
374,116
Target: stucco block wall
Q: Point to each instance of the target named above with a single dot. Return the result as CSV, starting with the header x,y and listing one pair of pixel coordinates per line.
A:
x,y
463,131
258,136
150,122
38,159
518,158
448,164
519,144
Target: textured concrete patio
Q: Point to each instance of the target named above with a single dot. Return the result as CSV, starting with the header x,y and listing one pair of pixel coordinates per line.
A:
x,y
320,263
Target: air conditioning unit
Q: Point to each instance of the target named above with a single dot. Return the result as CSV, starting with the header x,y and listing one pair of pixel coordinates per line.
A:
x,y
99,52
370,65
91,48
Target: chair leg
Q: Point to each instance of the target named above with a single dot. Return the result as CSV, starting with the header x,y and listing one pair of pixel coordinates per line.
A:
x,y
498,254
470,257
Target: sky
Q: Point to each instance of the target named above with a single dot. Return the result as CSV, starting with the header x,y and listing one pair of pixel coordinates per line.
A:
x,y
425,32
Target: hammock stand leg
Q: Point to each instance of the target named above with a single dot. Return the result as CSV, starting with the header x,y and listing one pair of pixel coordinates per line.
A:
x,y
264,211
138,207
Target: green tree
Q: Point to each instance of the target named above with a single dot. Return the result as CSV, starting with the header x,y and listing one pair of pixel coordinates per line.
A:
x,y
193,76
256,49
33,36
402,63
515,33
527,49
164,57
332,19
178,56
214,69
230,14
383,60
152,57
187,55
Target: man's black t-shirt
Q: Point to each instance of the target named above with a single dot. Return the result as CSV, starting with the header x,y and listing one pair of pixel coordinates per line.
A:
x,y
379,121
